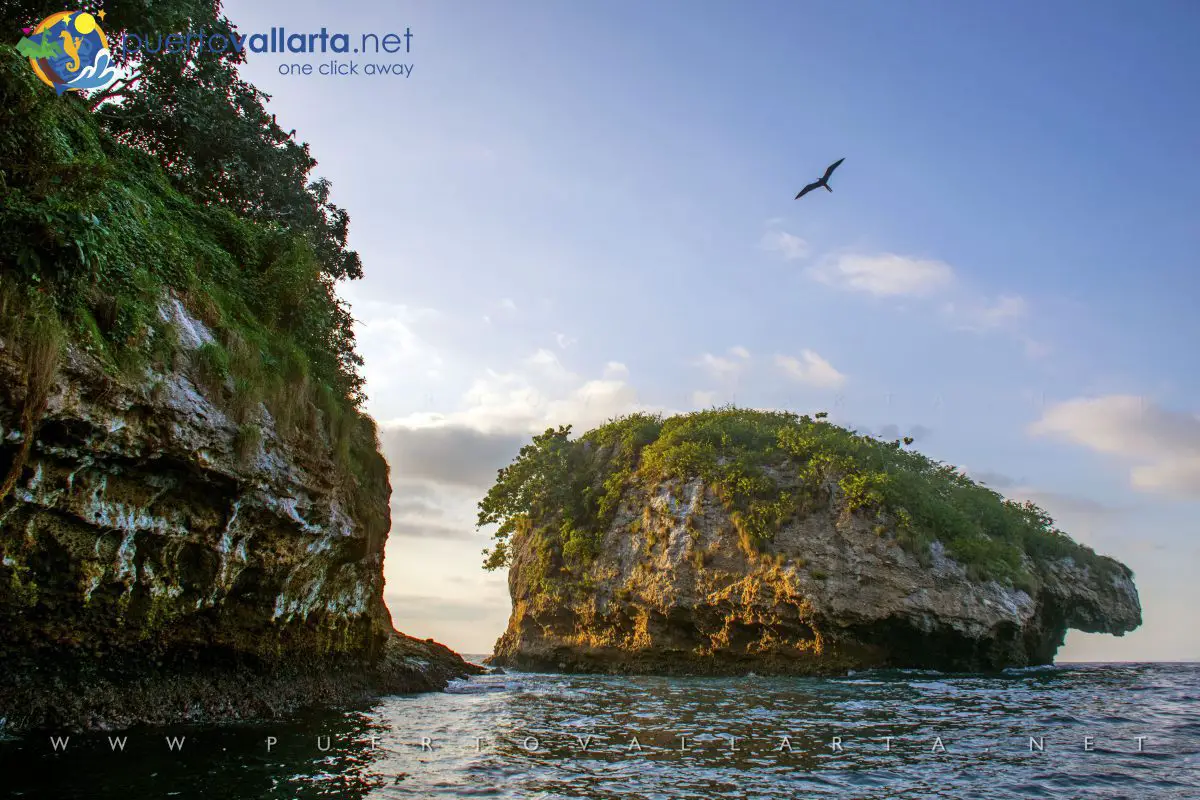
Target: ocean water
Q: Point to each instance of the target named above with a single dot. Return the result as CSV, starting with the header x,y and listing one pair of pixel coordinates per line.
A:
x,y
1065,732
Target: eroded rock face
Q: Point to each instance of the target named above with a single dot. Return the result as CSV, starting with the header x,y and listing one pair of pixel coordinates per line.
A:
x,y
673,592
143,533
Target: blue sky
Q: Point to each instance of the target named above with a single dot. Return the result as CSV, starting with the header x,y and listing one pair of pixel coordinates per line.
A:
x,y
570,211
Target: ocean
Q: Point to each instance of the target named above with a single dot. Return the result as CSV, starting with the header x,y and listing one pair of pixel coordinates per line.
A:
x,y
1070,731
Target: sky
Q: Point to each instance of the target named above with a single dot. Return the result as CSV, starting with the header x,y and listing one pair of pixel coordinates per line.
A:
x,y
568,212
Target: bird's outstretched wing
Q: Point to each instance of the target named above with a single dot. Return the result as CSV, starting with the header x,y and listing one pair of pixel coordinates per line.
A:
x,y
832,167
808,189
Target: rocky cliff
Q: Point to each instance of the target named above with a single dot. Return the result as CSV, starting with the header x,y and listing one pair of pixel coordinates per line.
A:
x,y
737,541
159,564
192,506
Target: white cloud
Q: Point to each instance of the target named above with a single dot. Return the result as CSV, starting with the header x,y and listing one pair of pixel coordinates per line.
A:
x,y
719,366
442,463
543,358
564,341
987,316
1167,443
385,332
723,367
884,274
788,246
1179,477
701,399
390,340
1007,313
595,402
615,370
891,275
1122,424
499,402
508,304
529,402
811,369
547,363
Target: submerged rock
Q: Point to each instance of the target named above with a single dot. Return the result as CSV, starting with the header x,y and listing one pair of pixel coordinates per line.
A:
x,y
677,585
158,564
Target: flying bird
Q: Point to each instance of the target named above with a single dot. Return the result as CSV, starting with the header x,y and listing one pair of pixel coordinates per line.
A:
x,y
823,182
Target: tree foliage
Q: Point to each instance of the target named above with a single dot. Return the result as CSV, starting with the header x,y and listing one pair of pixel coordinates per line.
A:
x,y
766,468
573,486
212,137
532,486
178,178
212,134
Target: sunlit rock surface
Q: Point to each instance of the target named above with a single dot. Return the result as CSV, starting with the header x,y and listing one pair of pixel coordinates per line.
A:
x,y
673,592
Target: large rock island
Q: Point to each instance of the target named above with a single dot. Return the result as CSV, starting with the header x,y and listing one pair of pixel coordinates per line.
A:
x,y
730,541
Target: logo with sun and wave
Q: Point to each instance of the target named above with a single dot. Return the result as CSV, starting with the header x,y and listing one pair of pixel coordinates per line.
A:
x,y
69,52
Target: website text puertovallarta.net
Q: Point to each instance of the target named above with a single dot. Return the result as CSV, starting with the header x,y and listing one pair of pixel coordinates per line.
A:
x,y
280,41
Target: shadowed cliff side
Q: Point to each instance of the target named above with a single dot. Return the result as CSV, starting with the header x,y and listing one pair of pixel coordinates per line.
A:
x,y
156,569
193,508
730,541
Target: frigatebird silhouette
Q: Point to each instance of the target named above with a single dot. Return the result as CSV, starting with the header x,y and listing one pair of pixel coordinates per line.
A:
x,y
823,182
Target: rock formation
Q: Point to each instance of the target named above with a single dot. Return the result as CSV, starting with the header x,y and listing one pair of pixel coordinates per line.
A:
x,y
159,565
675,585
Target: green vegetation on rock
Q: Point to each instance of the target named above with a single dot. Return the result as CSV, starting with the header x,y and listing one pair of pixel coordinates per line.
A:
x,y
178,182
766,468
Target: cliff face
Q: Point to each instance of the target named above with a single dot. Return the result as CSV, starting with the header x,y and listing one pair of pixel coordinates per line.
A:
x,y
674,591
164,565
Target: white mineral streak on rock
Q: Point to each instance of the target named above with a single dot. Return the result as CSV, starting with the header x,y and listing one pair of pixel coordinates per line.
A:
x,y
288,506
159,459
231,557
193,333
320,544
299,597
197,418
125,568
339,522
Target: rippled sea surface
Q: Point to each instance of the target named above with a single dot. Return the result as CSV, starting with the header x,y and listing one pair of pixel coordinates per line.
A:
x,y
1070,731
